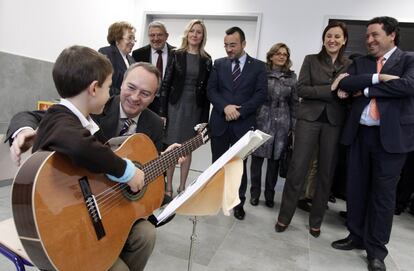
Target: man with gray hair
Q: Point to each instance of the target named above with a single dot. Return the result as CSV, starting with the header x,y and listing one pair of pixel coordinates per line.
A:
x,y
156,52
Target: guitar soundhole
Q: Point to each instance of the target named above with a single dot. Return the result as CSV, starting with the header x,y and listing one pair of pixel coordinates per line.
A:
x,y
134,195
129,191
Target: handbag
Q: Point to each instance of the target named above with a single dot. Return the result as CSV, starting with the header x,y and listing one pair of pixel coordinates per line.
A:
x,y
286,156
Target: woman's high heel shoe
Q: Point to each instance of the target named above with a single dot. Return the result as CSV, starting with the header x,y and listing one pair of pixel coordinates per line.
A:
x,y
280,228
169,193
179,190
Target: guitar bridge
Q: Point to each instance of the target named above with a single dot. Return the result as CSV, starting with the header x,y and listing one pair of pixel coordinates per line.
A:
x,y
92,207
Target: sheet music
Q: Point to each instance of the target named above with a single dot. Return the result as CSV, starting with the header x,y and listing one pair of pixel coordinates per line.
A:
x,y
243,147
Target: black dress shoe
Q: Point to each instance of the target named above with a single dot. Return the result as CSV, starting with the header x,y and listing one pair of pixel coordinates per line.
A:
x,y
280,228
254,201
346,244
376,265
239,212
304,205
314,233
270,203
398,211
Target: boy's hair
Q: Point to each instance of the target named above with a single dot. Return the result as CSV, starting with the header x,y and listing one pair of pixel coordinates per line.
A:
x,y
77,67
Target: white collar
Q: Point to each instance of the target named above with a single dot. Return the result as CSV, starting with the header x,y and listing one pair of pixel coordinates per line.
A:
x,y
122,114
243,58
164,50
87,122
389,53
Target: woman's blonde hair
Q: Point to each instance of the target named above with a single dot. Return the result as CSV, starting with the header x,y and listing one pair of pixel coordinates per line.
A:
x,y
184,43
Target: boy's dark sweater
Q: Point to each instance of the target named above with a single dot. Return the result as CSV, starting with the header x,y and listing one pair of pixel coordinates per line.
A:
x,y
60,130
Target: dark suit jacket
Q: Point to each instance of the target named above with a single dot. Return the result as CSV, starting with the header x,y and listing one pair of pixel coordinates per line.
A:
x,y
173,83
395,100
314,87
60,130
143,54
249,91
118,65
149,123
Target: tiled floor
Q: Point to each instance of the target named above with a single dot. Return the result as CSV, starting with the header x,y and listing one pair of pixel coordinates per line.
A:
x,y
224,243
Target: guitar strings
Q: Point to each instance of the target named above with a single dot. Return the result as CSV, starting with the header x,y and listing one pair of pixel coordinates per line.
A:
x,y
113,191
114,199
150,165
112,196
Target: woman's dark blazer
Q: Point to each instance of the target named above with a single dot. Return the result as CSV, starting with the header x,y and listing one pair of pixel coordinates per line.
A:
x,y
173,83
118,66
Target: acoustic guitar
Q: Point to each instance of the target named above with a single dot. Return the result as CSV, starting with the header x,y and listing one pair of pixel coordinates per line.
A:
x,y
68,218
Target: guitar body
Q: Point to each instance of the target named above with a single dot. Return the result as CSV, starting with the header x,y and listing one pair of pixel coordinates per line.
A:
x,y
52,219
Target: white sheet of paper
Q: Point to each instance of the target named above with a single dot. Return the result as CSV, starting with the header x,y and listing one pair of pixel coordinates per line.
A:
x,y
242,148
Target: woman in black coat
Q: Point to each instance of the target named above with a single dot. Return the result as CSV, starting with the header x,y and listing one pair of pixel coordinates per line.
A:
x,y
183,93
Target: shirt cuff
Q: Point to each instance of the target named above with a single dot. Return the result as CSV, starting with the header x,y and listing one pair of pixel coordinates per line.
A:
x,y
366,91
375,78
128,173
21,129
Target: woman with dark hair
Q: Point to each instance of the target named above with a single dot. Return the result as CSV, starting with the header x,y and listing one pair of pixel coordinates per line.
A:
x,y
276,117
183,93
320,118
121,39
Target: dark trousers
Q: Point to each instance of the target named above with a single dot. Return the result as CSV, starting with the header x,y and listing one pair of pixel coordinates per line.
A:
x,y
308,134
371,189
405,186
219,145
256,177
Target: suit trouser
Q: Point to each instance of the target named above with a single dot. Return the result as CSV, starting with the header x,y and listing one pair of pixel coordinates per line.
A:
x,y
137,249
405,186
307,135
256,177
371,191
219,145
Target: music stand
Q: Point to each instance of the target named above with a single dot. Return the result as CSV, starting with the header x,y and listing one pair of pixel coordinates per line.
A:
x,y
216,188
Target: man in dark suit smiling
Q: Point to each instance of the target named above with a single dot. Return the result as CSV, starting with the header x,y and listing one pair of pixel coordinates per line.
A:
x,y
237,87
379,133
156,52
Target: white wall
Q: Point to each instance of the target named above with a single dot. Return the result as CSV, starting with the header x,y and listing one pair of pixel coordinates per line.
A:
x,y
42,28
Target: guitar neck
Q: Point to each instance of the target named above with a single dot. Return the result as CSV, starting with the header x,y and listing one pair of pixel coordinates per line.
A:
x,y
158,166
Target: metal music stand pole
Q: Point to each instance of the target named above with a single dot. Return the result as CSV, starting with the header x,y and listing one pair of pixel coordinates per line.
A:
x,y
193,239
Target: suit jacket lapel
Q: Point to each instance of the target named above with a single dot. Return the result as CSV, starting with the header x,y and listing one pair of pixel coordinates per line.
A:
x,y
392,61
143,124
110,117
119,60
227,73
130,59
